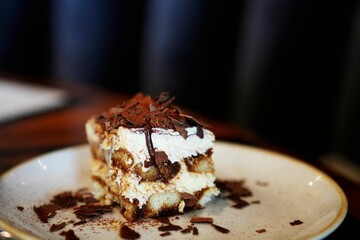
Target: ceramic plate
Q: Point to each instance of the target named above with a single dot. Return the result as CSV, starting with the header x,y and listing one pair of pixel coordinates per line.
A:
x,y
283,189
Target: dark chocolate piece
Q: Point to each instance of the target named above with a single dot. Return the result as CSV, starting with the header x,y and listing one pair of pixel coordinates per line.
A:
x,y
128,233
69,235
296,222
201,220
57,227
220,229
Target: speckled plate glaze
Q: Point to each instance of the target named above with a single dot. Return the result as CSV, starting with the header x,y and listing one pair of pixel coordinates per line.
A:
x,y
284,190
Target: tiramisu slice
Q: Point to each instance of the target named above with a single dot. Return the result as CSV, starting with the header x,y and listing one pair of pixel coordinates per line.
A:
x,y
151,158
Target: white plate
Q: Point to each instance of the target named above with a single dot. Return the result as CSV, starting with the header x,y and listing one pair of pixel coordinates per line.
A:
x,y
294,191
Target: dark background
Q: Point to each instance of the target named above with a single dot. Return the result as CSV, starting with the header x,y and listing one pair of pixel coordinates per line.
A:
x,y
287,69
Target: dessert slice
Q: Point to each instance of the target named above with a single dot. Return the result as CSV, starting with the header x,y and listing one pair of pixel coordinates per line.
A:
x,y
151,158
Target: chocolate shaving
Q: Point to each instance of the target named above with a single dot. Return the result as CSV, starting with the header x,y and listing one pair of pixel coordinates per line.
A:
x,y
150,147
69,235
46,211
296,222
261,230
188,229
236,187
160,157
64,200
79,222
165,220
189,199
169,227
142,110
20,208
199,132
201,220
128,233
57,227
165,234
220,229
240,204
91,211
235,190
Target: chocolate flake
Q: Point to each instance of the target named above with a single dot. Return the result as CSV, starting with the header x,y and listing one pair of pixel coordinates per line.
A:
x,y
64,200
165,234
220,229
150,147
201,220
200,132
69,235
169,227
188,229
189,199
79,222
240,204
195,231
128,233
20,208
236,187
160,157
261,230
46,211
91,211
141,110
165,220
57,227
296,222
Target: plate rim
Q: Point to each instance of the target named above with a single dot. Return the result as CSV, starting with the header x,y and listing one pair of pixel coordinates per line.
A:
x,y
330,228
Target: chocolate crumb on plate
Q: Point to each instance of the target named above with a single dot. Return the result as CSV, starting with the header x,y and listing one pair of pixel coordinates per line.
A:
x,y
261,230
165,234
92,211
20,208
79,222
195,231
69,235
165,220
296,222
169,227
201,220
57,227
44,212
240,204
128,233
220,229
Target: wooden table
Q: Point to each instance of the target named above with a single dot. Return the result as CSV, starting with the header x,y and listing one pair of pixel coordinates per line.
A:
x,y
28,137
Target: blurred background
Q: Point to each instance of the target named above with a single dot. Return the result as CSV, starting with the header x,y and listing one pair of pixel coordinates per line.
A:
x,y
289,70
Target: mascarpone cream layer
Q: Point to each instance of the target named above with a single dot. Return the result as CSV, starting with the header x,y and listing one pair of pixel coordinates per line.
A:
x,y
171,142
